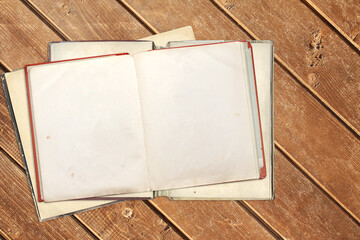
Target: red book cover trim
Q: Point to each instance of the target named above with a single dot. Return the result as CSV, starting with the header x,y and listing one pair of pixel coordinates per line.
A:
x,y
40,197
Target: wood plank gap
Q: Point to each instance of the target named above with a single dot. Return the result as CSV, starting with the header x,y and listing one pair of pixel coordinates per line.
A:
x,y
317,96
88,229
12,159
317,183
4,66
260,219
289,70
138,16
4,236
156,209
45,19
331,24
234,19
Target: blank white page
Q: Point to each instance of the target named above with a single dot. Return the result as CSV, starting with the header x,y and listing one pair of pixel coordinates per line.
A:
x,y
88,128
196,117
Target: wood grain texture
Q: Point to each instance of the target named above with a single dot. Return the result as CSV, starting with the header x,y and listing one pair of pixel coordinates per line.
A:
x,y
299,119
87,20
212,219
317,140
301,211
18,219
301,39
21,35
217,219
310,47
346,14
128,220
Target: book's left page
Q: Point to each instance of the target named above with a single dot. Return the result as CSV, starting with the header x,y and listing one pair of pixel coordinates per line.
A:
x,y
86,128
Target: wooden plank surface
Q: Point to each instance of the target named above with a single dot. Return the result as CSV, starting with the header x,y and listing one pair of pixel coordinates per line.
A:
x,y
92,20
329,151
345,14
18,219
299,118
301,211
128,220
301,39
310,47
213,219
21,25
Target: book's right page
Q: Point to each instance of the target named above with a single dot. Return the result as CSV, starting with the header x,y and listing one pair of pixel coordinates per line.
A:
x,y
252,189
197,116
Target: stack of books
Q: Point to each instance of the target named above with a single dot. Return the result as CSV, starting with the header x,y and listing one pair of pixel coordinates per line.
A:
x,y
106,121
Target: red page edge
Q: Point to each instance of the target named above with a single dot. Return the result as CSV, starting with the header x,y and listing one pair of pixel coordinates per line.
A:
x,y
37,175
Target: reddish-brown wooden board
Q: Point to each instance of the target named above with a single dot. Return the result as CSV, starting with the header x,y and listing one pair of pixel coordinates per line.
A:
x,y
316,139
344,14
18,218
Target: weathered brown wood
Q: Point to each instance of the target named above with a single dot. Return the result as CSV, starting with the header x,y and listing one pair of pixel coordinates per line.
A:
x,y
213,219
199,14
86,20
345,14
317,140
18,218
309,46
26,49
301,211
302,40
128,220
299,119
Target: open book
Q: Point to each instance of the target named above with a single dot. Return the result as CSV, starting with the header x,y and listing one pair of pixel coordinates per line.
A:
x,y
155,120
15,93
